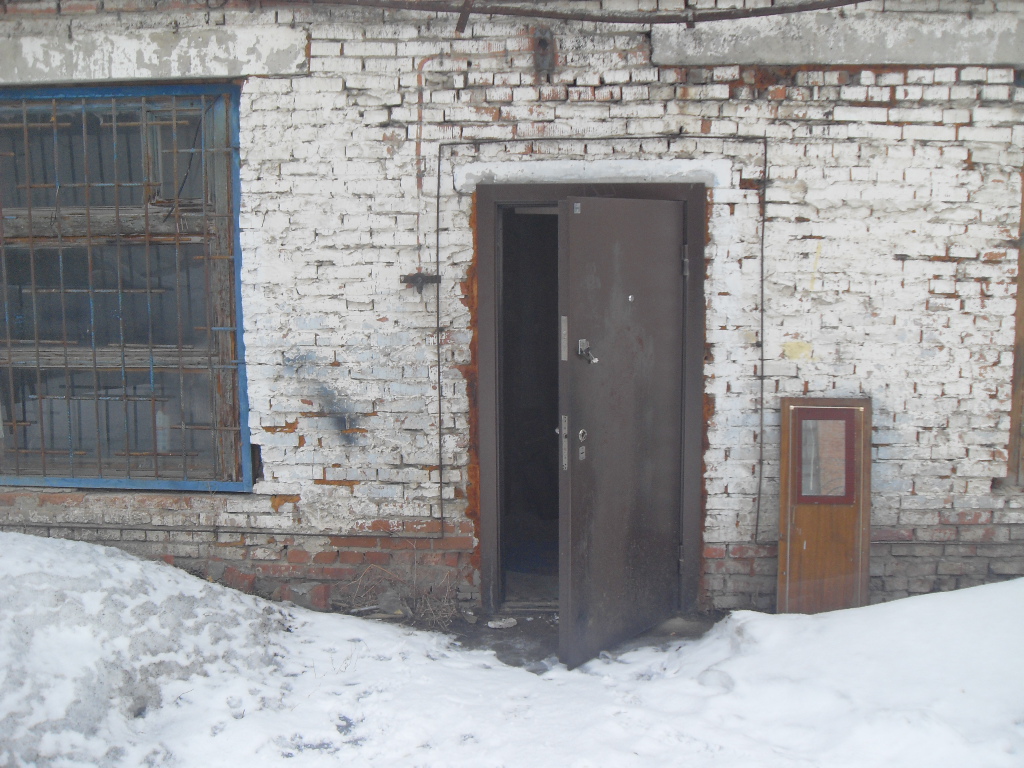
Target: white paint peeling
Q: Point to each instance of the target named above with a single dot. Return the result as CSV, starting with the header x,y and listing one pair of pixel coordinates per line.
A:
x,y
151,54
875,180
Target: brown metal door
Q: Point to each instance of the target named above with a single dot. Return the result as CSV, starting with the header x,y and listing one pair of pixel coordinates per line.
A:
x,y
620,385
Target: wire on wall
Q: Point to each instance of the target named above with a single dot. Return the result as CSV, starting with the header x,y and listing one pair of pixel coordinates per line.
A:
x,y
437,317
760,344
448,147
529,10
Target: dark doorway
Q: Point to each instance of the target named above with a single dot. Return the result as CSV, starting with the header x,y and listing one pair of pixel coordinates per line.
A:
x,y
528,403
599,461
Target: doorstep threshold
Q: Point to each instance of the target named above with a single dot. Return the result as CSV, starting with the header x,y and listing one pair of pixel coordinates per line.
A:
x,y
528,606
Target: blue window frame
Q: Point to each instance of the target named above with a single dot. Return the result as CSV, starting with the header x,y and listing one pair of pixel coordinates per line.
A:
x,y
121,357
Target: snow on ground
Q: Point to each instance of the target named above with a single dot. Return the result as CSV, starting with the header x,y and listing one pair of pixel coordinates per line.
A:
x,y
106,660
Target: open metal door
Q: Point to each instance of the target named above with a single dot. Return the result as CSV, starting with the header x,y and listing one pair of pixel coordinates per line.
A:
x,y
621,302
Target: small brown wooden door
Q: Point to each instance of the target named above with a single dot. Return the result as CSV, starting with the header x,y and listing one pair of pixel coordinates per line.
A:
x,y
825,504
621,294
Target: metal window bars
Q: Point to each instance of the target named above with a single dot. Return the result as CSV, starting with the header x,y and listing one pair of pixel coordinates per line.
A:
x,y
118,340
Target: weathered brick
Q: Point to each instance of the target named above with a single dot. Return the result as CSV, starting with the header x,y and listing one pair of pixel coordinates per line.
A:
x,y
238,579
886,189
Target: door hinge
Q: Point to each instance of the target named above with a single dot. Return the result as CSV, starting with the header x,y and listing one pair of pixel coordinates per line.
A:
x,y
682,558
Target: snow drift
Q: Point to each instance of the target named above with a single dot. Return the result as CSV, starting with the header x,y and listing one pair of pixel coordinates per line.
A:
x,y
92,639
106,660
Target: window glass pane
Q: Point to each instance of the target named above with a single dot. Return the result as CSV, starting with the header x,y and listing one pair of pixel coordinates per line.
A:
x,y
131,426
117,292
113,152
72,153
130,294
823,457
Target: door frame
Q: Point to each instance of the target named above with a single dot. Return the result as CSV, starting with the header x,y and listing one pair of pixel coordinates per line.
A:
x,y
488,200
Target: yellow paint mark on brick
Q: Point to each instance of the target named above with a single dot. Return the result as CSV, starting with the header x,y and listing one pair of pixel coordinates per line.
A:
x,y
797,350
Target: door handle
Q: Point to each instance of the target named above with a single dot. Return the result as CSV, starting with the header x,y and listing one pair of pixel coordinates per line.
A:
x,y
583,350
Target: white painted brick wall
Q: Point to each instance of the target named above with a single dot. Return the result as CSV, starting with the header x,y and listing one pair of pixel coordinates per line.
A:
x,y
893,200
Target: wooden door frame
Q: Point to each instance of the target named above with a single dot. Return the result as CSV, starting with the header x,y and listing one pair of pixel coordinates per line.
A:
x,y
488,199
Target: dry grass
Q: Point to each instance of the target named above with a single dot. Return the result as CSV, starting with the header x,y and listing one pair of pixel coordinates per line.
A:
x,y
393,597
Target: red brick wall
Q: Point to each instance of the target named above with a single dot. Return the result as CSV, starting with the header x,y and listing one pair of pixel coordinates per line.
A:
x,y
413,558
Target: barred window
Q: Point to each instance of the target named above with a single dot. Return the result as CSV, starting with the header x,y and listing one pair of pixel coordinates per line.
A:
x,y
120,345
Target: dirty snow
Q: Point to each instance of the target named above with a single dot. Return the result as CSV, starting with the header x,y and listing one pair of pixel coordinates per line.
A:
x,y
106,660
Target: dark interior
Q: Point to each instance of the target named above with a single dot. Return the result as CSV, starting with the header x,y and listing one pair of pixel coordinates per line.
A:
x,y
529,405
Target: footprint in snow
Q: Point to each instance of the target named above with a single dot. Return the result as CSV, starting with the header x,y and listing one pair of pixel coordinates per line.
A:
x,y
344,725
716,678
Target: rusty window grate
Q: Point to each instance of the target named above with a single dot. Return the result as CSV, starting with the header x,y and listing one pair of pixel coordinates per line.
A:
x,y
119,332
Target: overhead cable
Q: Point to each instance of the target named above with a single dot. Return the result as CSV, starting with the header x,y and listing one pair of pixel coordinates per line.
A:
x,y
462,8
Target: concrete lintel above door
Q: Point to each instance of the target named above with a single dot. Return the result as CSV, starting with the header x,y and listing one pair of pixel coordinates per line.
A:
x,y
710,173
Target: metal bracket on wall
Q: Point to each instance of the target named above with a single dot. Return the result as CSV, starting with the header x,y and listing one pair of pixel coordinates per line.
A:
x,y
419,279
